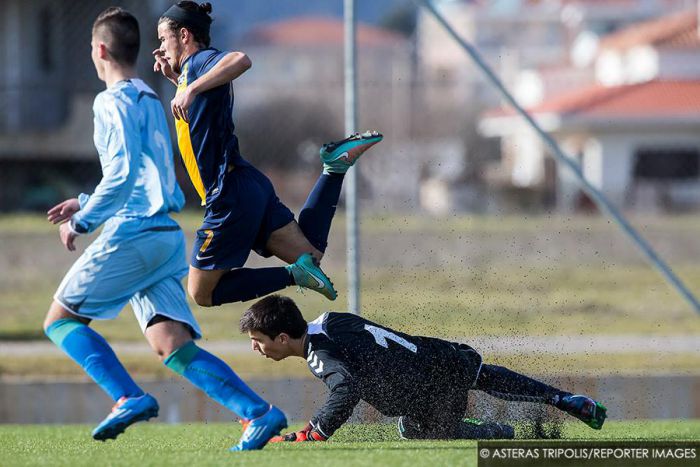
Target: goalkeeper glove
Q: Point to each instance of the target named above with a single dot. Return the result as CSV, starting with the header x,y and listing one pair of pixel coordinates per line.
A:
x,y
305,434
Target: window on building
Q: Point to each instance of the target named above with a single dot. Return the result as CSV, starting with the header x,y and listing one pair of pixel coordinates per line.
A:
x,y
667,163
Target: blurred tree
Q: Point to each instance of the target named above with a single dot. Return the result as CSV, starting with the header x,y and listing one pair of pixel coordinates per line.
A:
x,y
279,132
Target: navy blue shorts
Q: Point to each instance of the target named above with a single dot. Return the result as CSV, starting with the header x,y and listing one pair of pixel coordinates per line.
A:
x,y
239,221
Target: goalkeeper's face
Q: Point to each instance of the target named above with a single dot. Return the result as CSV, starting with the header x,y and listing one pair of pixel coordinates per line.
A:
x,y
276,349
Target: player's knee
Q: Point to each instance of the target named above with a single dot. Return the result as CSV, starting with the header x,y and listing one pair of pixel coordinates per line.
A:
x,y
203,300
164,349
48,321
56,313
166,335
161,353
201,297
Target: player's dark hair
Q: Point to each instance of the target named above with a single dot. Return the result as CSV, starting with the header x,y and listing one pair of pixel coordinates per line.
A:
x,y
274,315
119,30
192,16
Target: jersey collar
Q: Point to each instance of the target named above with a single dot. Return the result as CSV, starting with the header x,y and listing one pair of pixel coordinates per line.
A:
x,y
307,345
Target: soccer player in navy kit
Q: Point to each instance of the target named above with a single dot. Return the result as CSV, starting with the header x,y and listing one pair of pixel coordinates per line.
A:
x,y
242,211
422,380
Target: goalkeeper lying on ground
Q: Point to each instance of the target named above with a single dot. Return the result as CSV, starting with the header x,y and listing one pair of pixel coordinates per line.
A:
x,y
422,380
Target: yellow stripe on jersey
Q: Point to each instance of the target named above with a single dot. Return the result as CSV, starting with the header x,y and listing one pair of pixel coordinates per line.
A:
x,y
184,142
210,237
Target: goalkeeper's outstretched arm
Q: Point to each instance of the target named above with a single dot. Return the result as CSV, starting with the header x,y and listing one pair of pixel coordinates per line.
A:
x,y
341,401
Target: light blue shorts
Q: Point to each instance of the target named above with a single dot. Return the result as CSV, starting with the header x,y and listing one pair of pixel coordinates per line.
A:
x,y
140,261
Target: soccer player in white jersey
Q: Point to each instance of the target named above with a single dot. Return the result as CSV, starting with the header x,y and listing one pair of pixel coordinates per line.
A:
x,y
139,257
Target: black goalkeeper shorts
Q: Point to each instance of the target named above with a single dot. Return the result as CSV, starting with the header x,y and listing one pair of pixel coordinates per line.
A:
x,y
444,402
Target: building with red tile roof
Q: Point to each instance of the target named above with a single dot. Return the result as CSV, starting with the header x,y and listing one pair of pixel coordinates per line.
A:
x,y
312,31
652,99
677,30
635,128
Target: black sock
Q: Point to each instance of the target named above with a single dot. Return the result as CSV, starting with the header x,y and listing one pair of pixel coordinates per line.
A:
x,y
317,214
243,284
508,385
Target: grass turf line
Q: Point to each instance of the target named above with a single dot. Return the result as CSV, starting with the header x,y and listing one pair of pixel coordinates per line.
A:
x,y
199,444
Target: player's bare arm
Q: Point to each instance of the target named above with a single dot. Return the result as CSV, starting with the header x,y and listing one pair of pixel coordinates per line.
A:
x,y
230,67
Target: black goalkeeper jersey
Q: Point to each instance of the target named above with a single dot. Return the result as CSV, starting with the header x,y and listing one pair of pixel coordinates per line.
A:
x,y
396,373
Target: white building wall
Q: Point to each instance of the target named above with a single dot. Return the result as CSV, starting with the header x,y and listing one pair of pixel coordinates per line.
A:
x,y
528,160
607,159
608,163
609,68
568,187
592,164
646,63
641,64
616,156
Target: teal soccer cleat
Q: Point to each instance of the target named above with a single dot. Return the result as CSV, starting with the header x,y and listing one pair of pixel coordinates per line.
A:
x,y
126,412
339,156
308,275
584,408
257,432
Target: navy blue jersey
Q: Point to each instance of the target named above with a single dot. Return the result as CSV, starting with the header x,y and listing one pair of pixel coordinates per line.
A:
x,y
208,144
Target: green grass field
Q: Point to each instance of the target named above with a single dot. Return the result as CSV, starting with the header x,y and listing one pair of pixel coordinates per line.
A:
x,y
456,276
154,444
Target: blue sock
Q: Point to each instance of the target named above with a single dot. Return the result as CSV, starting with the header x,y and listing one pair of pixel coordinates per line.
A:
x,y
92,352
243,284
208,373
317,214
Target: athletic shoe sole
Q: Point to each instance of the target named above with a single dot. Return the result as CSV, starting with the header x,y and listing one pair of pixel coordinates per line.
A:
x,y
118,428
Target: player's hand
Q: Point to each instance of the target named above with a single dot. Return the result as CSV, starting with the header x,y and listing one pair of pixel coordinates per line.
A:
x,y
63,211
67,236
162,66
305,434
181,103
